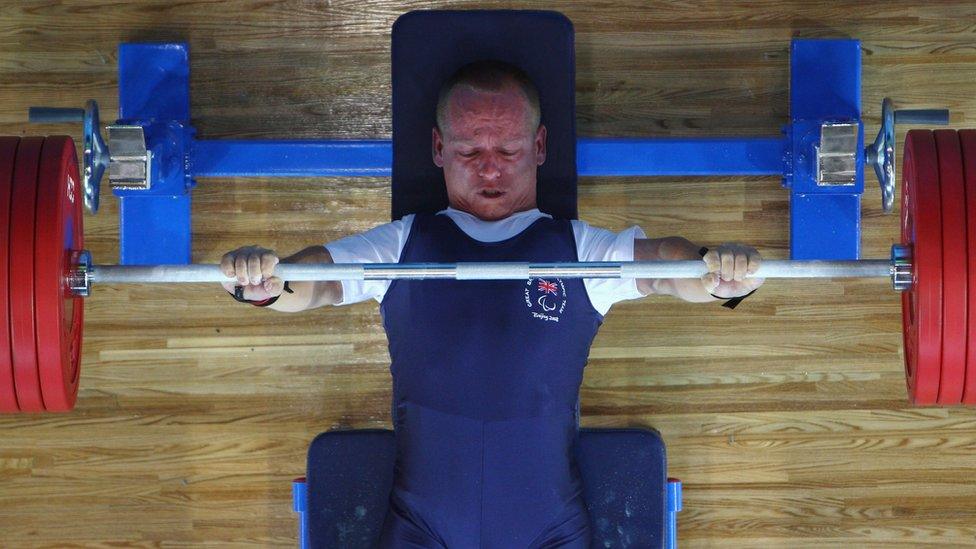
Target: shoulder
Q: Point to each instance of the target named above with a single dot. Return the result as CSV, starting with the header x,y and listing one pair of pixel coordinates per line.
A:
x,y
381,244
599,244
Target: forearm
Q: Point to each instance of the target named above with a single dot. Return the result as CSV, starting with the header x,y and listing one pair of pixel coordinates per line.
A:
x,y
309,294
667,249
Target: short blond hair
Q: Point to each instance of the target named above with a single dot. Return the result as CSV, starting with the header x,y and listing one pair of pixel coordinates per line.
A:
x,y
489,75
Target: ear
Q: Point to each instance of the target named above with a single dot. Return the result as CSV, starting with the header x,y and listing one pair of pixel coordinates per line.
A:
x,y
437,147
540,145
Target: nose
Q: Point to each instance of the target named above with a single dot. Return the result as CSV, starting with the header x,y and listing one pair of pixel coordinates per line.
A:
x,y
488,169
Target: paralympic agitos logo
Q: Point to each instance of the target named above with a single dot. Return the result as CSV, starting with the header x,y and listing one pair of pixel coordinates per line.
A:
x,y
545,298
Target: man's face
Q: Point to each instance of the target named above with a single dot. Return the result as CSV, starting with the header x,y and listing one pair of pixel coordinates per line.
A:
x,y
489,152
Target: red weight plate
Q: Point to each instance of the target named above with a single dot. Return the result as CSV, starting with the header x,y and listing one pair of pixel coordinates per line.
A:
x,y
967,139
921,228
58,314
8,394
955,278
21,265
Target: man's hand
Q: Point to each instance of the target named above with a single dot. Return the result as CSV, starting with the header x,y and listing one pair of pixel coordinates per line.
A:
x,y
253,267
728,268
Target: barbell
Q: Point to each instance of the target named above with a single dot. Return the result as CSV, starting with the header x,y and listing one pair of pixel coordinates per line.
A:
x,y
46,272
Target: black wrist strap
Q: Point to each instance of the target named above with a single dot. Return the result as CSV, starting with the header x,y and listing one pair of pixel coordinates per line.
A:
x,y
731,303
238,295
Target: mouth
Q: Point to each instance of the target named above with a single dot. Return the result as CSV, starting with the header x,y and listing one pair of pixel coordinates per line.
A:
x,y
490,193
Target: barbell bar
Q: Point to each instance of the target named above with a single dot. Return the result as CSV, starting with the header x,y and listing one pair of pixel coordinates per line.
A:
x,y
936,256
85,274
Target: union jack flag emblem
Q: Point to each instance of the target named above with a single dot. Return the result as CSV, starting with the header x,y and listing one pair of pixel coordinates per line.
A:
x,y
547,287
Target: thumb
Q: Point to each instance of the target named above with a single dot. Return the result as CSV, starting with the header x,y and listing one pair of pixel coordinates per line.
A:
x,y
754,283
710,281
274,286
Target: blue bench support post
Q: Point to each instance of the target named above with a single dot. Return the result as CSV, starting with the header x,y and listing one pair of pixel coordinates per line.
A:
x,y
674,507
825,86
154,92
299,504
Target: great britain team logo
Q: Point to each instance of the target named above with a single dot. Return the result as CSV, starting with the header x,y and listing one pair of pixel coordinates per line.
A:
x,y
545,298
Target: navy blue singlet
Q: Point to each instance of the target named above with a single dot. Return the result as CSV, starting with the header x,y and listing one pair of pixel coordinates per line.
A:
x,y
486,378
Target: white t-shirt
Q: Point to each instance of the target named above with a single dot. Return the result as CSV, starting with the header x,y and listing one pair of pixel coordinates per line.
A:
x,y
383,244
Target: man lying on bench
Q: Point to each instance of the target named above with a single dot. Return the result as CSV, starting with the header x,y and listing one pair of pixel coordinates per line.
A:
x,y
486,374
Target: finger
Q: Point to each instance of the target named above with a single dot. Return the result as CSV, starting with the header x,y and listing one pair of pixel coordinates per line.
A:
x,y
741,263
254,293
274,286
229,286
227,265
268,262
240,266
754,261
728,266
710,281
254,268
712,261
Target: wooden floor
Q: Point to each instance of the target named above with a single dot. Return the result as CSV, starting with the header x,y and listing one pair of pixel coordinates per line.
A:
x,y
787,418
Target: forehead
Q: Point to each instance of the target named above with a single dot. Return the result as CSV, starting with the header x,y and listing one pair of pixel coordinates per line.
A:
x,y
471,111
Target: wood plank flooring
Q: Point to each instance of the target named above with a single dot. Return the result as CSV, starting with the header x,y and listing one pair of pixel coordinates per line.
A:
x,y
787,418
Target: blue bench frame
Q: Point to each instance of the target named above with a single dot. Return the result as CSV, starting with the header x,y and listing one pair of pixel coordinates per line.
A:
x,y
154,92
